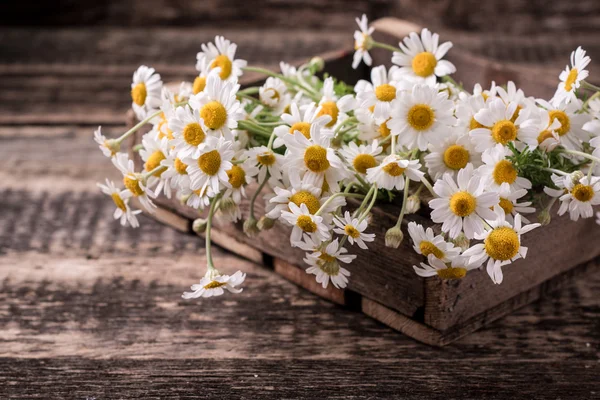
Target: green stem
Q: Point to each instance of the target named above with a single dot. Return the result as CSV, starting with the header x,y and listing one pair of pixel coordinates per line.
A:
x,y
255,195
253,128
386,46
404,201
333,196
160,168
137,126
138,147
289,81
592,97
426,183
208,242
373,199
249,90
590,86
581,154
556,171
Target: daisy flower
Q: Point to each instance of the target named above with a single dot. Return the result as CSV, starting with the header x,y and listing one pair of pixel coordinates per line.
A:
x,y
451,155
287,70
571,77
304,221
210,169
379,93
332,106
421,58
274,94
463,204
189,132
203,68
134,182
105,144
368,127
213,283
497,169
426,243
121,199
325,264
218,106
221,55
570,132
508,202
577,197
296,192
304,120
176,172
511,95
145,91
153,153
501,245
545,129
391,172
593,127
421,117
501,126
362,157
239,176
354,229
266,160
362,42
466,108
457,268
197,199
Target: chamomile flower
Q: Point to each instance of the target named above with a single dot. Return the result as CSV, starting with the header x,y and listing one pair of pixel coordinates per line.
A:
x,y
426,243
379,93
421,58
466,108
362,157
123,212
576,196
145,91
197,199
546,129
203,68
221,56
456,268
213,283
239,176
571,132
571,77
392,171
134,182
497,169
501,245
153,153
218,107
210,169
266,160
108,147
508,202
303,220
274,94
333,106
176,172
362,42
304,120
325,264
463,204
354,229
512,95
287,70
593,127
451,155
189,132
421,117
368,128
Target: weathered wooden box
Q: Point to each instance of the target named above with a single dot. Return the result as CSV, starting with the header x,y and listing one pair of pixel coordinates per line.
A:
x,y
383,284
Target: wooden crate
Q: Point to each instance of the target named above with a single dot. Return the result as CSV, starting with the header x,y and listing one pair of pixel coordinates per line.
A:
x,y
383,284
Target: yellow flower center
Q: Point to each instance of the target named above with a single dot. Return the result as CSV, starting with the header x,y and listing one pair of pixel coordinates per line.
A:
x,y
306,223
504,131
199,84
223,62
506,205
154,161
372,109
118,201
423,64
193,134
393,169
463,204
420,117
302,127
329,264
330,108
428,248
267,158
384,131
273,95
237,176
452,273
474,124
162,127
385,92
133,185
210,162
571,78
138,94
315,158
180,167
214,285
306,198
363,162
543,136
214,114
351,231
582,192
563,118
502,243
504,171
456,157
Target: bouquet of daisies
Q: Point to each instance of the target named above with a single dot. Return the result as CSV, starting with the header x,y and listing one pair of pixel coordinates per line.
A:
x,y
483,161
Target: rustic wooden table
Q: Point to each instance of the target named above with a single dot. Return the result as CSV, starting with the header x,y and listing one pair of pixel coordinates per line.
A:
x,y
89,310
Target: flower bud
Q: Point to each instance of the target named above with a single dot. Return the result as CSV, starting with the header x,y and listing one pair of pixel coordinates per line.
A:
x,y
576,177
461,241
316,64
544,217
251,227
413,204
265,223
199,225
393,237
113,145
230,210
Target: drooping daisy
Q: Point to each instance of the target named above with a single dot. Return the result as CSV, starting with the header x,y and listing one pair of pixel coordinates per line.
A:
x,y
451,155
266,160
303,220
134,182
497,169
213,283
108,149
210,169
362,157
426,243
153,153
571,131
333,106
421,117
501,245
221,55
123,212
362,42
462,204
325,264
354,229
456,268
500,126
571,77
304,120
239,176
421,58
391,173
188,132
274,94
379,93
508,202
218,106
145,91
577,197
